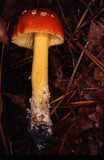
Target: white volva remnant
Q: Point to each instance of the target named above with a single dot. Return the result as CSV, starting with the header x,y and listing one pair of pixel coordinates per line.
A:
x,y
43,13
52,15
41,110
34,11
41,113
24,12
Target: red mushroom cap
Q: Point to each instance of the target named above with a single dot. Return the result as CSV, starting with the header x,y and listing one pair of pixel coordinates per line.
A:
x,y
38,20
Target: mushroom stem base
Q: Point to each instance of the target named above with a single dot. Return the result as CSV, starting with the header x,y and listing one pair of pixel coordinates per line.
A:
x,y
40,124
41,133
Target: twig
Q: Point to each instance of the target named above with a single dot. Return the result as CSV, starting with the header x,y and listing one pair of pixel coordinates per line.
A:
x,y
71,80
65,137
1,101
99,55
72,95
10,146
18,64
90,68
80,21
65,116
82,102
29,148
59,98
91,18
37,3
1,61
75,69
91,56
54,109
17,150
74,104
87,6
72,55
61,10
88,53
22,141
4,139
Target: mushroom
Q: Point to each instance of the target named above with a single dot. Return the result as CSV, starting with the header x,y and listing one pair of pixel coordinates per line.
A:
x,y
38,29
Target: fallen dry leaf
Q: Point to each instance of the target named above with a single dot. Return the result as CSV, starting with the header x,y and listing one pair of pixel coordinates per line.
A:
x,y
96,36
19,100
3,33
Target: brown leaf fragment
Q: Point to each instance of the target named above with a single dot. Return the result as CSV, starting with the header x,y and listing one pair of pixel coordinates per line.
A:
x,y
3,33
92,143
99,136
94,117
98,96
96,36
19,100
